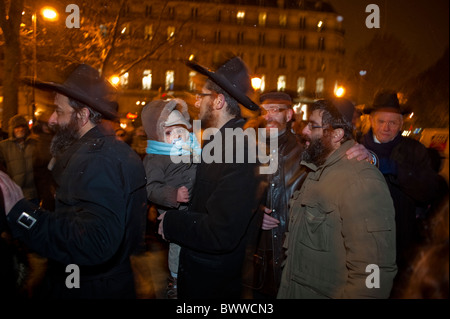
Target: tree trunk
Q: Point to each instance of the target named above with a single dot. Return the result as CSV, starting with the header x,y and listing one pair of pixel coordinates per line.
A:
x,y
11,78
10,18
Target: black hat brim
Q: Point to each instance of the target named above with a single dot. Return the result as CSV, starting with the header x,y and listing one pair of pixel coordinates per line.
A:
x,y
221,81
97,104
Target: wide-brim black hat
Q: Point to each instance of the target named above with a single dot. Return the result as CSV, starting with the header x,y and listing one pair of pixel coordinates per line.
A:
x,y
84,84
232,77
386,101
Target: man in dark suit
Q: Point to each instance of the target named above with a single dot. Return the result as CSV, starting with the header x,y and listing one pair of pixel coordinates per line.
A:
x,y
214,231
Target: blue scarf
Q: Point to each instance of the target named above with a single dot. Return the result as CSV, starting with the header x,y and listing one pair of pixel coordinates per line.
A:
x,y
179,148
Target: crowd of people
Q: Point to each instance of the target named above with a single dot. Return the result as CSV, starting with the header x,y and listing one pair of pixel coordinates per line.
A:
x,y
337,216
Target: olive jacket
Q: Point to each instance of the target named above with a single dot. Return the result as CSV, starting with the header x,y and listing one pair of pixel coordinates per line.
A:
x,y
341,235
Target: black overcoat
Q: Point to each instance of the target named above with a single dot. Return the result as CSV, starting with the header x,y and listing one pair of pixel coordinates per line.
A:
x,y
97,223
214,231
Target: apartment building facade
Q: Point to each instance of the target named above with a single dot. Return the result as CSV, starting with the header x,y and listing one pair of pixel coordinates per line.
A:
x,y
295,46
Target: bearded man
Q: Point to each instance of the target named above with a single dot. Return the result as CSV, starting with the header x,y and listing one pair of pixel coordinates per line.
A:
x,y
100,201
214,231
341,234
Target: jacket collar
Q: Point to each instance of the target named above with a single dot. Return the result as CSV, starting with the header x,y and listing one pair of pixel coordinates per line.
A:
x,y
92,134
335,157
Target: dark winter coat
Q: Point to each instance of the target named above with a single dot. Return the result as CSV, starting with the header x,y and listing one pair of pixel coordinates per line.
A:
x,y
18,164
98,221
213,232
412,182
281,185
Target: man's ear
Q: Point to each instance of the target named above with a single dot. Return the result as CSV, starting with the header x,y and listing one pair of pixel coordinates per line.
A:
x,y
219,102
289,114
83,116
337,135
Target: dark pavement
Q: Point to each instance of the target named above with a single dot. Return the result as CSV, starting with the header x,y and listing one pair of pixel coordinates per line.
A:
x,y
149,266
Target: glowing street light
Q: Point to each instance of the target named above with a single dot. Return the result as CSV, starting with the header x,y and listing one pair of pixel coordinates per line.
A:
x,y
340,91
50,14
114,79
256,83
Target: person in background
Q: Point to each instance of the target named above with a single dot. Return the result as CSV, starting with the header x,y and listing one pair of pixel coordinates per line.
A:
x,y
100,202
341,220
169,183
407,168
139,142
427,275
16,157
45,183
122,135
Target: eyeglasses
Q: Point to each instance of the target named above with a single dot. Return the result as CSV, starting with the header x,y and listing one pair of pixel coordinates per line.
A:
x,y
200,96
272,110
312,126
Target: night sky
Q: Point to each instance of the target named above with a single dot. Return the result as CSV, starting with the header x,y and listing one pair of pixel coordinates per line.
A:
x,y
422,25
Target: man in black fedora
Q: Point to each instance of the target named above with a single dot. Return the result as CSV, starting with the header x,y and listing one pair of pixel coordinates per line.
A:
x,y
214,231
100,201
406,167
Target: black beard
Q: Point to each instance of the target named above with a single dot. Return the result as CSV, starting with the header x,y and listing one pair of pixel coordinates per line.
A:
x,y
65,136
318,151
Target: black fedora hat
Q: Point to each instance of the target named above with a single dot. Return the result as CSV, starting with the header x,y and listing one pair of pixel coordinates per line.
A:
x,y
84,84
232,77
386,101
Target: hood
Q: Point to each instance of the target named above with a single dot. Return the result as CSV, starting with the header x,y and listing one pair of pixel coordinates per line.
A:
x,y
16,121
155,114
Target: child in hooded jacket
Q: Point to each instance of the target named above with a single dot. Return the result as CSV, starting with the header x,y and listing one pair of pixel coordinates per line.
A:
x,y
170,165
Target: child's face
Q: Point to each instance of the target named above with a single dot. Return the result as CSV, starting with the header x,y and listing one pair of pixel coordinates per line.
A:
x,y
173,134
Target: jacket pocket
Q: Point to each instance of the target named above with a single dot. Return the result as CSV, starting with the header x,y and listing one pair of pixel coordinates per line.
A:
x,y
383,232
313,229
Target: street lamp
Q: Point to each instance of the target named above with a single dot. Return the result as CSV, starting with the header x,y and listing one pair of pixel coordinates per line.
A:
x,y
49,14
340,91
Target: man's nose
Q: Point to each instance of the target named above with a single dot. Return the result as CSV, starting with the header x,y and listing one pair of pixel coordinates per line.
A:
x,y
53,119
305,130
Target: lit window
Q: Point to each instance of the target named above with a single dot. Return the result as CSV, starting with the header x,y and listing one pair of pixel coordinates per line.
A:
x,y
283,20
319,85
263,83
148,32
262,19
240,17
123,79
125,29
281,83
301,81
147,80
319,25
192,86
170,80
170,32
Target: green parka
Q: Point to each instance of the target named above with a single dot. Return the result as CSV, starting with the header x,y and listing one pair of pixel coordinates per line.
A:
x,y
341,236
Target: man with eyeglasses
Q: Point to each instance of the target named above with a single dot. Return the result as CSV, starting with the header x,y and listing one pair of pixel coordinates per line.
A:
x,y
214,231
407,168
277,113
341,234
